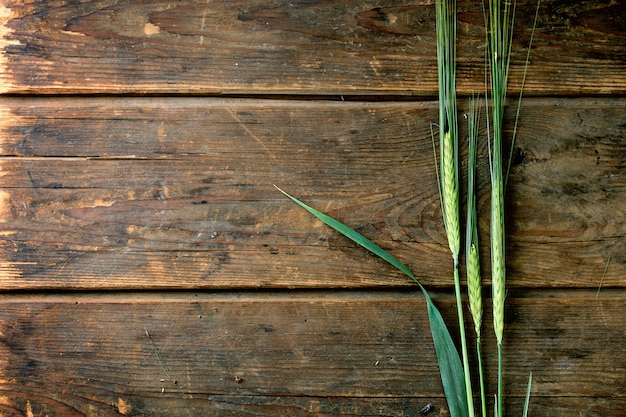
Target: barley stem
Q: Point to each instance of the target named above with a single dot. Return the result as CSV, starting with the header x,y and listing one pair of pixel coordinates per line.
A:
x,y
466,368
483,401
500,390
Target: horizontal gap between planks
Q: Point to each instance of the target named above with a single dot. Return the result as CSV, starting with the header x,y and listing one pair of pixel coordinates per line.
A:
x,y
586,100
267,295
218,100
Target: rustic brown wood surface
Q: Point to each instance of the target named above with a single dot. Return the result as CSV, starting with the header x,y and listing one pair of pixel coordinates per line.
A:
x,y
150,268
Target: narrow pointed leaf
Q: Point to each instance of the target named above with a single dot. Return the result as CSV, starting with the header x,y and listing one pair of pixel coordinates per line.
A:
x,y
527,402
354,236
450,367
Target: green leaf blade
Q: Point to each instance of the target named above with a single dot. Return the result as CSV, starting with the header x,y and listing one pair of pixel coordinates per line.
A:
x,y
354,236
527,401
450,366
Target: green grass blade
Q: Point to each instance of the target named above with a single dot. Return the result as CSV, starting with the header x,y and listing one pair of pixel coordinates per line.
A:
x,y
159,356
527,402
450,367
354,236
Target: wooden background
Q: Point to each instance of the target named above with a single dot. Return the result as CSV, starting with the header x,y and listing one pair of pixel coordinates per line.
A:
x,y
139,142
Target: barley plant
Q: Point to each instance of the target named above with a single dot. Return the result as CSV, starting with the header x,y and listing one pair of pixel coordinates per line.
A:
x,y
449,157
500,31
455,373
499,20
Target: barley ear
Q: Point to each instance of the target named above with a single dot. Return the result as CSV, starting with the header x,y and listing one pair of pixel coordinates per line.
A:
x,y
497,256
450,194
471,233
474,288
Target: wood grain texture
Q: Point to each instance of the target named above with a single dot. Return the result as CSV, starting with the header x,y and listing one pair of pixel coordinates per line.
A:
x,y
295,47
148,267
292,354
177,193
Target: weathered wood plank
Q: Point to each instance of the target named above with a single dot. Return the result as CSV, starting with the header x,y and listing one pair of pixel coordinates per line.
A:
x,y
27,398
295,47
293,354
176,193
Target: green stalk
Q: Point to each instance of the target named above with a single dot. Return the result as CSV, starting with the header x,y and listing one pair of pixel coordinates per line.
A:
x,y
466,368
527,401
500,389
483,402
449,154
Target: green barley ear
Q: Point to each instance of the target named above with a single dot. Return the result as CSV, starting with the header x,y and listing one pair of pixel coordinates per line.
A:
x,y
499,22
471,246
448,125
474,288
450,193
471,234
498,272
